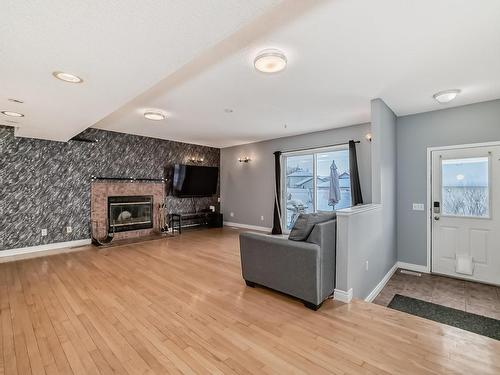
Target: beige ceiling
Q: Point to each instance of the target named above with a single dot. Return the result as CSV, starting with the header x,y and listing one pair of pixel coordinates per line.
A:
x,y
120,48
193,59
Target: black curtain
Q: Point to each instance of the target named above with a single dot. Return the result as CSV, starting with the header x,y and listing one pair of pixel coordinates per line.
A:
x,y
356,197
277,194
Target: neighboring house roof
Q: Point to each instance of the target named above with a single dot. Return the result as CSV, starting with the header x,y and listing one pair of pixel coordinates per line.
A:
x,y
324,181
343,182
302,182
300,174
309,174
308,179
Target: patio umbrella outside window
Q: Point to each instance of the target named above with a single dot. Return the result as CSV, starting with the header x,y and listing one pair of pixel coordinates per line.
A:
x,y
334,191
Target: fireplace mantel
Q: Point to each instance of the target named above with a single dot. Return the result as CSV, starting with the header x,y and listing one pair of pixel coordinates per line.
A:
x,y
101,190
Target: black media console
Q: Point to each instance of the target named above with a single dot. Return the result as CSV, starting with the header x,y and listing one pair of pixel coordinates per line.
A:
x,y
210,219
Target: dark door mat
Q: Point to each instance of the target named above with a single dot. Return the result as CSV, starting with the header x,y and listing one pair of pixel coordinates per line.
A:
x,y
481,325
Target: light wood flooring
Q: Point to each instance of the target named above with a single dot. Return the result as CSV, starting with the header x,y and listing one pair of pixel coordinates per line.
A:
x,y
179,305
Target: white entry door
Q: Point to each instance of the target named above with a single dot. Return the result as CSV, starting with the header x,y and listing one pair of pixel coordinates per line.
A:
x,y
466,213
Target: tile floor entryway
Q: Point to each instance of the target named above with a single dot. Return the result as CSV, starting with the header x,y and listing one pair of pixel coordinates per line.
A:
x,y
463,295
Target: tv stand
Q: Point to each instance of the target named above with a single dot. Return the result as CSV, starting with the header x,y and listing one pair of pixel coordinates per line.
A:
x,y
210,219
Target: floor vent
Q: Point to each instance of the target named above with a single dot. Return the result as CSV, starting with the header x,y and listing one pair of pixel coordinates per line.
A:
x,y
413,273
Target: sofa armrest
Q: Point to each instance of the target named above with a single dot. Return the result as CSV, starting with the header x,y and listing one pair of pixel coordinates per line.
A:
x,y
324,235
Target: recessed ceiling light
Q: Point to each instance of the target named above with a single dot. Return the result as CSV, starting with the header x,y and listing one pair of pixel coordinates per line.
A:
x,y
67,77
446,96
12,114
270,61
155,115
15,100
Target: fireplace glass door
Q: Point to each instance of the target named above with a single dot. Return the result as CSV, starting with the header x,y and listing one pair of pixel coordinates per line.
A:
x,y
130,213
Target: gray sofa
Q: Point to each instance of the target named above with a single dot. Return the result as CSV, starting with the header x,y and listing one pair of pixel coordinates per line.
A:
x,y
303,269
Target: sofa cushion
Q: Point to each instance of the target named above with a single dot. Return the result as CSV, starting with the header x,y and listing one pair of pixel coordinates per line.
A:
x,y
305,223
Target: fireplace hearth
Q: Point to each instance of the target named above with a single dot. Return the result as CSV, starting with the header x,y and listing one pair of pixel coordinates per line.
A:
x,y
131,212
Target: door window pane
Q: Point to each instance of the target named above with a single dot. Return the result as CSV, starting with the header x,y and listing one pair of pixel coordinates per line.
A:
x,y
299,195
465,190
333,183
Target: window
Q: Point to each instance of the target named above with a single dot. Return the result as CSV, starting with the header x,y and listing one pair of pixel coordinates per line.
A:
x,y
316,180
465,188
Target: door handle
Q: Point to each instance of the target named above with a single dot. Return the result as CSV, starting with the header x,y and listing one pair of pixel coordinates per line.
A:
x,y
436,217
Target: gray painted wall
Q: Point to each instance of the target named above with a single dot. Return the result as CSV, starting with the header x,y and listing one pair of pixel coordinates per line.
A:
x,y
354,250
46,184
383,256
247,189
461,125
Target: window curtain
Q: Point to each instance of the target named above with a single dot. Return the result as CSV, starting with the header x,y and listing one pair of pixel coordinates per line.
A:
x,y
356,197
277,194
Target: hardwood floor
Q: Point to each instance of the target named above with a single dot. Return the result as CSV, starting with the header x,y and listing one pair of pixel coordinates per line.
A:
x,y
179,305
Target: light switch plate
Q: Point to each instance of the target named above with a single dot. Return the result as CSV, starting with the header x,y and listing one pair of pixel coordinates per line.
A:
x,y
418,206
44,232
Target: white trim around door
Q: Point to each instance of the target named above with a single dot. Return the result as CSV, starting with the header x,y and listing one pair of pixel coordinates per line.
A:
x,y
429,190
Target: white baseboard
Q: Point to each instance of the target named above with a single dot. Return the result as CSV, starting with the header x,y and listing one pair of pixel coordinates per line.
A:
x,y
414,267
342,296
42,250
374,293
246,226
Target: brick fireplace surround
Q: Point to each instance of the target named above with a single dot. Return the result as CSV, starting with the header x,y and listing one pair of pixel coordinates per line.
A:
x,y
101,190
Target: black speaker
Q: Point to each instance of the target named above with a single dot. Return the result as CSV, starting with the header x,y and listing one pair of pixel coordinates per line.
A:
x,y
215,220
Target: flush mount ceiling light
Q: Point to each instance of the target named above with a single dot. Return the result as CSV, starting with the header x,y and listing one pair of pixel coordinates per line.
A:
x,y
67,77
446,96
12,114
155,115
270,61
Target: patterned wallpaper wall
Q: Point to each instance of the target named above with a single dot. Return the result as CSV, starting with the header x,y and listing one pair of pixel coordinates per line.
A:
x,y
46,184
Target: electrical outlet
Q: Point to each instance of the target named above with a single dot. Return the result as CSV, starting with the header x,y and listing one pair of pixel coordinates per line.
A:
x,y
231,214
69,230
44,232
218,199
366,265
418,206
262,218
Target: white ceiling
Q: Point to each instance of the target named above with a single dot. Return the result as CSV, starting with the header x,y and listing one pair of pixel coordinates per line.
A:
x,y
341,53
119,47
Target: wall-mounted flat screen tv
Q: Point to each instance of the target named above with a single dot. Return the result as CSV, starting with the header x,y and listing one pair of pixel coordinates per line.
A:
x,y
194,181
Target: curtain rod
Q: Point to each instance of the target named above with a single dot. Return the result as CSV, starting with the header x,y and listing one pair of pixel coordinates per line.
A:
x,y
312,148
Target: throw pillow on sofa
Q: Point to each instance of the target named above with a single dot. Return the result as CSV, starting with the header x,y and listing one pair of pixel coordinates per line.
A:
x,y
305,223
